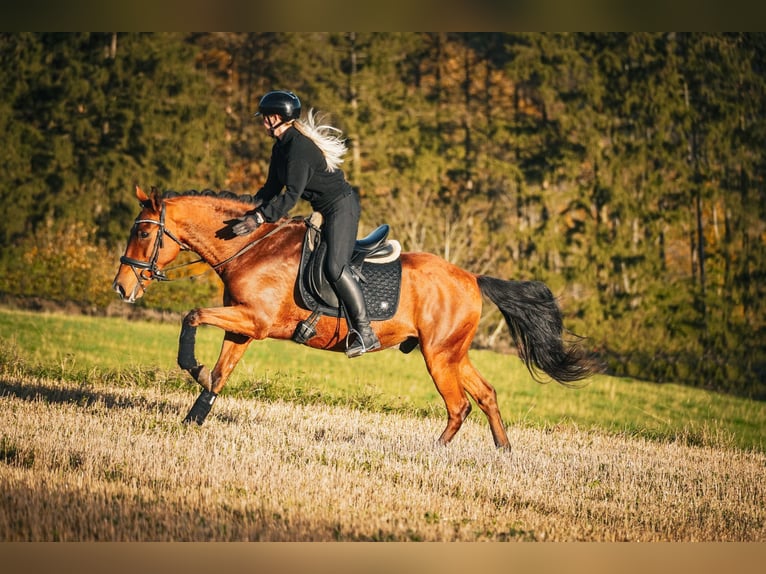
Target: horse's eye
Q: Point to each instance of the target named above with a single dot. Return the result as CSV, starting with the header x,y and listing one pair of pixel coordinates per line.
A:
x,y
143,234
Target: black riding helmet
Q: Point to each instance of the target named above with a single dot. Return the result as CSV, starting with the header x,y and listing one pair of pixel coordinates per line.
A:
x,y
280,103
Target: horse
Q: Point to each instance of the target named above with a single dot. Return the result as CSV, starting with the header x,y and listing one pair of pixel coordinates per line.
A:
x,y
439,307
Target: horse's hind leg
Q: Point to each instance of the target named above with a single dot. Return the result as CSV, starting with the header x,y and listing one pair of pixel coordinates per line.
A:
x,y
457,403
453,377
446,377
485,396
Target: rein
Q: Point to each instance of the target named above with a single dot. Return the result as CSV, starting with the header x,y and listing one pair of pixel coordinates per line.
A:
x,y
245,249
157,274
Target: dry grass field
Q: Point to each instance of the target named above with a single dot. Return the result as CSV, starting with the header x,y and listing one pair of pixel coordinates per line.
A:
x,y
81,462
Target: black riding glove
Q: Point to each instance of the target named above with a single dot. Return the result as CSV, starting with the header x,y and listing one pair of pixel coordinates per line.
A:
x,y
247,224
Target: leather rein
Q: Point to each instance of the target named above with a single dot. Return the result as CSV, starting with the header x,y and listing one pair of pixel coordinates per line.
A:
x,y
156,274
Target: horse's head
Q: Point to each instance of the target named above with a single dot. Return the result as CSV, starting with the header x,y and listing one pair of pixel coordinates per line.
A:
x,y
147,252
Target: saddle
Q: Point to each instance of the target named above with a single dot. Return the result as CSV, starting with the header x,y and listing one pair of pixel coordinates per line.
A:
x,y
375,263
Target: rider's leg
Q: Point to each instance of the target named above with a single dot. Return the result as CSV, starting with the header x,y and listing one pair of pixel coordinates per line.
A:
x,y
339,231
350,292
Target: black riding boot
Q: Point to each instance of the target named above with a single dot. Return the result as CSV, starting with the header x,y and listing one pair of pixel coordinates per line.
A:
x,y
361,335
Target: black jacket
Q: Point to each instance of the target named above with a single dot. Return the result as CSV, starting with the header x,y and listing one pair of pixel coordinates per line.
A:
x,y
298,166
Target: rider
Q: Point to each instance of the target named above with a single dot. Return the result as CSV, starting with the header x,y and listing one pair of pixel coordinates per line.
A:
x,y
305,163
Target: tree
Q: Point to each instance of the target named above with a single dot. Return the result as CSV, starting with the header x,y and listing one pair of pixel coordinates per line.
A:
x,y
625,170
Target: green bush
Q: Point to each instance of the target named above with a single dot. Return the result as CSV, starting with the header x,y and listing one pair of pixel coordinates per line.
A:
x,y
66,263
62,263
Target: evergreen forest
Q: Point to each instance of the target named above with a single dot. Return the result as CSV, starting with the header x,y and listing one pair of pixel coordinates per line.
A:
x,y
626,170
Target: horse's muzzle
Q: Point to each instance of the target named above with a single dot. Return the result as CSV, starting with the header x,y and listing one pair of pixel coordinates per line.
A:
x,y
120,290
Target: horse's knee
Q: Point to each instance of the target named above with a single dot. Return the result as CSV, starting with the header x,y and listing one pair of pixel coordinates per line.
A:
x,y
192,318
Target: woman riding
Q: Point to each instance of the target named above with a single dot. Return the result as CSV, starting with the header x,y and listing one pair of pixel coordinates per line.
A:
x,y
305,163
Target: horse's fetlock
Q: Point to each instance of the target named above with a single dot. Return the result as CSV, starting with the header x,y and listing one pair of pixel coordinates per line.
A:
x,y
202,375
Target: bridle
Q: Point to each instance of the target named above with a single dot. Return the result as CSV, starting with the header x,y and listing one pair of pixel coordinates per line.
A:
x,y
140,268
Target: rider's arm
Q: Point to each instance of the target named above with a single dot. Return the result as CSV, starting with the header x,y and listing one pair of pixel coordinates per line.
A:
x,y
297,176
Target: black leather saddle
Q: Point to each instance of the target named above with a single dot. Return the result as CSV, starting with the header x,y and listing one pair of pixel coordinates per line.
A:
x,y
375,263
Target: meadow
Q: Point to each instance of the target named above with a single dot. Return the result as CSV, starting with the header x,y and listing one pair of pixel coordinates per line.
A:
x,y
309,446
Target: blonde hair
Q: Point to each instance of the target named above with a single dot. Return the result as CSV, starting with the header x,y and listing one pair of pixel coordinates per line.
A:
x,y
326,137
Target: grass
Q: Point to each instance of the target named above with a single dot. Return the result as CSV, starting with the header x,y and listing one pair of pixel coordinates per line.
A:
x,y
114,463
309,446
110,348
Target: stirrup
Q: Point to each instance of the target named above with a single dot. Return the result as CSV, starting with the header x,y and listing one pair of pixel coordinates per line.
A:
x,y
359,348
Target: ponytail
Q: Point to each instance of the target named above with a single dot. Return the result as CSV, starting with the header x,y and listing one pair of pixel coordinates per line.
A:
x,y
326,137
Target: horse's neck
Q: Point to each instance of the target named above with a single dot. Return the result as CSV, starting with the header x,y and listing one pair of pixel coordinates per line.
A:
x,y
207,232
204,231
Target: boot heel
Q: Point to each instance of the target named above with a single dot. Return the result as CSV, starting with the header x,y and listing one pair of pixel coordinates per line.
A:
x,y
355,348
359,347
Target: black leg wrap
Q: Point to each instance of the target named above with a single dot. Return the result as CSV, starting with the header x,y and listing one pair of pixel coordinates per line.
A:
x,y
186,341
201,408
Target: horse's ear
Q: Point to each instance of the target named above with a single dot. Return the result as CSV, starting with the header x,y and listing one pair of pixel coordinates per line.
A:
x,y
141,195
156,198
152,200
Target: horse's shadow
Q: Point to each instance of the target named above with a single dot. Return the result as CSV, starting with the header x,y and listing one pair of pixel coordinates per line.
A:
x,y
86,398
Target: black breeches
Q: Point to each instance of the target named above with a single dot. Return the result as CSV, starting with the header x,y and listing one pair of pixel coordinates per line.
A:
x,y
341,224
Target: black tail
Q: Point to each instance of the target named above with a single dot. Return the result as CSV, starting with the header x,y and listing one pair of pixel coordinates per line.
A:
x,y
535,322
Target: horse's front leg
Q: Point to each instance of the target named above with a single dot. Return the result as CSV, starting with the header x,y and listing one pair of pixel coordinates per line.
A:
x,y
234,346
186,358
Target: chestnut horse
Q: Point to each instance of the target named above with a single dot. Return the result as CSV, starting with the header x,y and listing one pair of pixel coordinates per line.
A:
x,y
439,308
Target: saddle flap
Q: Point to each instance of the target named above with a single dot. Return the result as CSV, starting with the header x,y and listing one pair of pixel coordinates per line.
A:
x,y
318,282
381,281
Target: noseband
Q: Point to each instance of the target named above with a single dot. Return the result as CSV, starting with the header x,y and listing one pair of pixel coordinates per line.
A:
x,y
155,273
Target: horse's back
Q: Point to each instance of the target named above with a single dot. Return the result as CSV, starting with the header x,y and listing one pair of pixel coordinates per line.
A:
x,y
433,281
422,265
